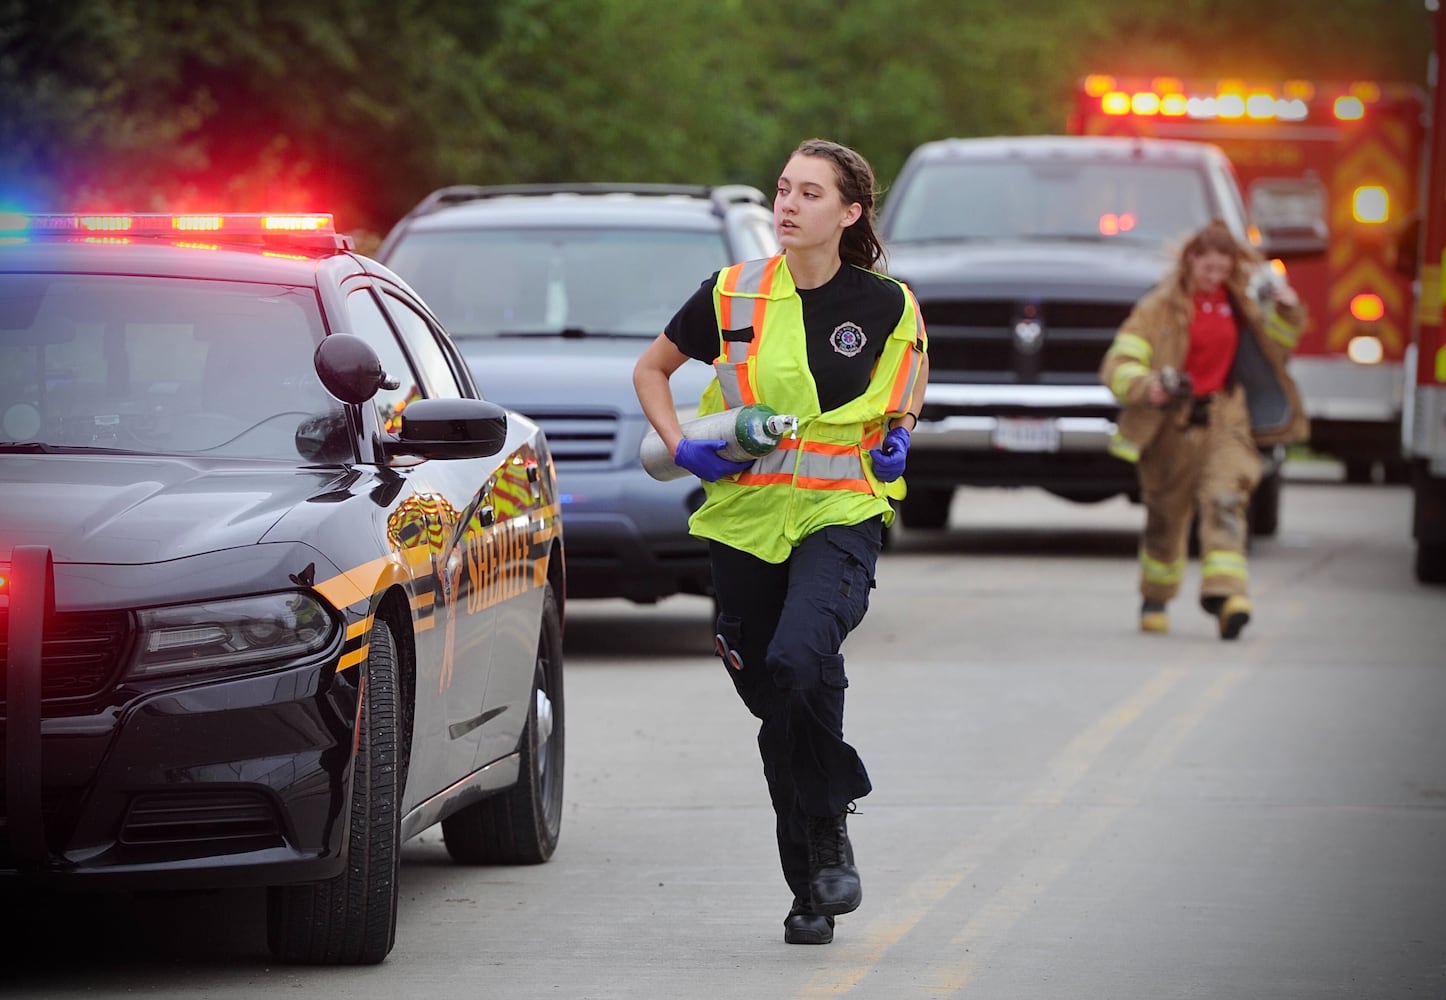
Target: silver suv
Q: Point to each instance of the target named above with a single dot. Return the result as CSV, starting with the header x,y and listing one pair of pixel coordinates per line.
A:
x,y
551,292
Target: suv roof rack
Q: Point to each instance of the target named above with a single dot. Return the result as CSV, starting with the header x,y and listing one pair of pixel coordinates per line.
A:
x,y
721,195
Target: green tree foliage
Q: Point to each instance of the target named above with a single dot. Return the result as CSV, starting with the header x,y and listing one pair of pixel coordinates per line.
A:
x,y
362,106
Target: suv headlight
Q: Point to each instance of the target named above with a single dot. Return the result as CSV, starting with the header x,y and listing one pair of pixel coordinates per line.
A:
x,y
225,635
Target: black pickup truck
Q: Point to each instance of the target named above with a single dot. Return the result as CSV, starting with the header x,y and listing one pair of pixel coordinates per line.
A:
x,y
1026,255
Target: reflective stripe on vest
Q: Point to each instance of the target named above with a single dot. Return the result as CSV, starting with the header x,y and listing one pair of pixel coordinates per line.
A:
x,y
754,277
908,374
817,466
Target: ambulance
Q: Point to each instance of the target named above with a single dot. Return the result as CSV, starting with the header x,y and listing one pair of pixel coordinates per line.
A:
x,y
1424,423
1346,153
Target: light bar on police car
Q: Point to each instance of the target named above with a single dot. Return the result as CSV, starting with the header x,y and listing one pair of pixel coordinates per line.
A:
x,y
314,229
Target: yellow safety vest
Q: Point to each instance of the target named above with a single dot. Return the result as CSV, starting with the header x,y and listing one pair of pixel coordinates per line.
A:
x,y
824,476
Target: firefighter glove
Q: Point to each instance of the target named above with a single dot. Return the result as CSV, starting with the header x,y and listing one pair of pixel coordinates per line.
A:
x,y
889,457
701,458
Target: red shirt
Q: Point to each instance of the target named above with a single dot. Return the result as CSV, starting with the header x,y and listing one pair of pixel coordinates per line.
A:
x,y
1213,336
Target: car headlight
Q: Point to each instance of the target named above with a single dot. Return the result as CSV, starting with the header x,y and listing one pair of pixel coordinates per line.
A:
x,y
225,635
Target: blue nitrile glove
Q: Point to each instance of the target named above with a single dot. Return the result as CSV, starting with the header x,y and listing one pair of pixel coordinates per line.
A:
x,y
701,458
889,457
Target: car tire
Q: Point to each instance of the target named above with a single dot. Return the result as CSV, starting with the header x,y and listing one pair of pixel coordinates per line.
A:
x,y
520,826
926,509
351,919
1265,507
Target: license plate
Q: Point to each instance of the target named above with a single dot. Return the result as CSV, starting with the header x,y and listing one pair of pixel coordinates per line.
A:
x,y
1026,434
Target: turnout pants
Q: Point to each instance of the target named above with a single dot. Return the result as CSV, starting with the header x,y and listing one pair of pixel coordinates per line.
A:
x,y
785,623
1204,464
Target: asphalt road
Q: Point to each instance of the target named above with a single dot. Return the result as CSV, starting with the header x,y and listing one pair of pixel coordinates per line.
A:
x,y
1063,807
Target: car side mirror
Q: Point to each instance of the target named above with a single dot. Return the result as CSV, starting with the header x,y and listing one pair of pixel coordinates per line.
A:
x,y
348,368
450,428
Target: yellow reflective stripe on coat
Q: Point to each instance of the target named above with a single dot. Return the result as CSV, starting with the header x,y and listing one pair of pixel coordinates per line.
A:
x,y
1125,374
1223,562
1155,571
1123,448
1134,353
1132,345
1278,329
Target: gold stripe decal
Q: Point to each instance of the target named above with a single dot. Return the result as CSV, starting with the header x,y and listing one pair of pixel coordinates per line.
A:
x,y
355,585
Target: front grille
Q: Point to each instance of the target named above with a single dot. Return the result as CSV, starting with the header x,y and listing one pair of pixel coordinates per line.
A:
x,y
974,340
80,653
231,820
577,436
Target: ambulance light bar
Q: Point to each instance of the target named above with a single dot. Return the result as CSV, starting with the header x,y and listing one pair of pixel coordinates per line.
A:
x,y
1228,100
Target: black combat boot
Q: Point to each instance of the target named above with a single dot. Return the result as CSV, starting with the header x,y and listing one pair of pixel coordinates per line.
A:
x,y
832,877
803,926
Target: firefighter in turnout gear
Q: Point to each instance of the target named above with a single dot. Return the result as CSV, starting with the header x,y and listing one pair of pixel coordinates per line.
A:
x,y
794,535
1199,370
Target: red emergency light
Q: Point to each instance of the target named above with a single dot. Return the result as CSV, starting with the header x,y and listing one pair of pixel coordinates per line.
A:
x,y
297,229
1367,307
1230,99
1112,224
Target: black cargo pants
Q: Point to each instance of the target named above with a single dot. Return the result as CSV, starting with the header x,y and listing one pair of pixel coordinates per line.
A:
x,y
786,622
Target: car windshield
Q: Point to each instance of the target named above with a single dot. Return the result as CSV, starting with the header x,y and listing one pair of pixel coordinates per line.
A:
x,y
159,366
1136,202
613,282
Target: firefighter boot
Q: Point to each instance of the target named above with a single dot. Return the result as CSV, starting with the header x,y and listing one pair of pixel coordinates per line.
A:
x,y
1233,615
1153,617
832,878
804,926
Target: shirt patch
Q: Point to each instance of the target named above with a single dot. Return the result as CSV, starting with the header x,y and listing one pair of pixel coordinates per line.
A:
x,y
848,339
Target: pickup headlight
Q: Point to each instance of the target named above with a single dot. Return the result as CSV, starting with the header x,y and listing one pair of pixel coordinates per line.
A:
x,y
226,635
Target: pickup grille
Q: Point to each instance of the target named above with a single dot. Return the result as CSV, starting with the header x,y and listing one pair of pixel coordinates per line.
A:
x,y
974,340
579,436
80,653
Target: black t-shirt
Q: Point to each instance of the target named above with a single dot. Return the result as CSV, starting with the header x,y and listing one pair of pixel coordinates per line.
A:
x,y
846,320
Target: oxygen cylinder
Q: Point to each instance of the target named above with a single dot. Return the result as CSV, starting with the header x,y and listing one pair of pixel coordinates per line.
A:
x,y
750,431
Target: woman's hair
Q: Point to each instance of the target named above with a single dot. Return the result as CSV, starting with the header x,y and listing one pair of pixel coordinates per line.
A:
x,y
1216,237
860,245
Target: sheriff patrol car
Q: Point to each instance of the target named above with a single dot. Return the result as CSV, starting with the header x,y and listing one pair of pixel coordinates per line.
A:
x,y
278,590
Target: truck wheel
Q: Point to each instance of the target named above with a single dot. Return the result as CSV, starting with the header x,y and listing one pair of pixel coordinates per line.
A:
x,y
520,826
927,510
351,919
1431,562
1265,507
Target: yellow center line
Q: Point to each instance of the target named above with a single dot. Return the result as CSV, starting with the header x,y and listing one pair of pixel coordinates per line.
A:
x,y
1064,772
1019,896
